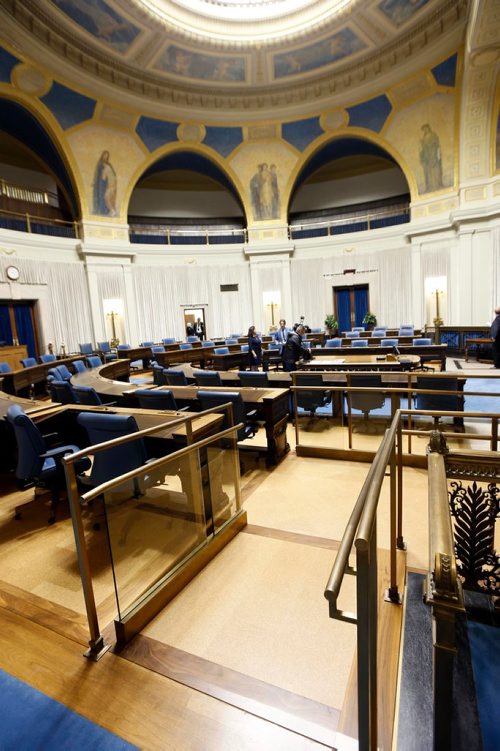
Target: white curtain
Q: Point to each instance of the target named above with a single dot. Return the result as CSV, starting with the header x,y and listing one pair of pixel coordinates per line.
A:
x,y
69,302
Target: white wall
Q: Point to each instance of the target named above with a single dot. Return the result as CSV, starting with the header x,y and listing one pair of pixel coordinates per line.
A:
x,y
183,204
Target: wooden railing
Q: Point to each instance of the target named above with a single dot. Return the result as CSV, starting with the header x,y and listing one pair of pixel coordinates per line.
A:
x,y
35,224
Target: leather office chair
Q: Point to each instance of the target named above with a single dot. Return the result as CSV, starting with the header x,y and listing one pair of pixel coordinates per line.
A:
x,y
94,361
207,344
47,358
88,395
117,460
86,349
209,399
169,340
231,341
186,345
253,378
235,336
406,330
175,377
316,330
79,366
62,392
306,344
136,364
438,402
192,338
28,362
421,342
157,348
365,401
352,334
359,343
5,367
156,399
379,331
147,344
207,377
358,328
59,373
221,351
244,348
310,401
105,350
37,464
331,343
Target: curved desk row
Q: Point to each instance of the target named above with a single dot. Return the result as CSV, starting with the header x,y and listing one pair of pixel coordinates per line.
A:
x,y
20,381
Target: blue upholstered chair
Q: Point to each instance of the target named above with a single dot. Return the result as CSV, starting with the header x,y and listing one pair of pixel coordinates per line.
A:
x,y
207,377
330,343
438,402
316,330
169,340
406,330
186,345
136,364
94,361
28,362
379,331
253,378
221,351
147,344
62,392
365,401
117,460
36,463
57,373
192,338
86,349
105,350
156,399
157,348
358,328
359,343
5,367
209,399
244,348
421,342
47,358
312,400
79,366
174,377
207,344
231,341
352,334
389,342
235,336
87,395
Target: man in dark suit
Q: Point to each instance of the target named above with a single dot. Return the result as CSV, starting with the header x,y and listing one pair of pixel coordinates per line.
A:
x,y
293,350
281,335
495,335
199,328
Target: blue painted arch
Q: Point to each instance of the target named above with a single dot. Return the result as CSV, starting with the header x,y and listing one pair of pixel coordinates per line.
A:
x,y
17,121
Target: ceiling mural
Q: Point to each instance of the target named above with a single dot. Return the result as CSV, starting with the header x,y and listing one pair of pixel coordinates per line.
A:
x,y
180,60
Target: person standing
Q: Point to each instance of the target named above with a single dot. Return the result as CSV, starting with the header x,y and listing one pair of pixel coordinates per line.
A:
x,y
281,335
254,349
495,335
199,329
293,350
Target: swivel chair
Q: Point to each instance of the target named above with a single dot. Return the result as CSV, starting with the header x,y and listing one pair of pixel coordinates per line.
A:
x,y
379,331
36,464
175,377
253,378
156,399
5,367
438,402
209,399
352,334
168,340
47,358
421,342
94,361
186,345
88,395
79,366
221,351
192,338
365,401
207,344
105,350
310,401
359,343
231,341
28,362
86,348
389,342
207,377
331,343
62,392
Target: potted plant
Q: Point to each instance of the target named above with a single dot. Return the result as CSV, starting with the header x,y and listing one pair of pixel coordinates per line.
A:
x,y
331,325
371,320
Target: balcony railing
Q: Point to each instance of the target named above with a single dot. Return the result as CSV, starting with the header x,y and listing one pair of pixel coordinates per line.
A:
x,y
39,225
356,221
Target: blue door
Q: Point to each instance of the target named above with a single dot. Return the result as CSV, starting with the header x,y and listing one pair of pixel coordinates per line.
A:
x,y
350,305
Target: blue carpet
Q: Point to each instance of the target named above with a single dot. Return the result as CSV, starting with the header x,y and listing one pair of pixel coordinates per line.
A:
x,y
482,403
484,643
32,721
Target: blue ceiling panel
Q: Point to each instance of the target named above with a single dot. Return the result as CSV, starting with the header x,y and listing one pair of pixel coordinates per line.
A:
x,y
302,132
371,114
7,62
223,140
68,106
155,133
445,73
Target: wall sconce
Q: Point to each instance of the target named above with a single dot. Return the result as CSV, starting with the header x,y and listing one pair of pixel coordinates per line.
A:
x,y
113,309
272,300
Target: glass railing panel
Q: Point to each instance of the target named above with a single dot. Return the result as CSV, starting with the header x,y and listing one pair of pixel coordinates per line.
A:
x,y
222,477
152,524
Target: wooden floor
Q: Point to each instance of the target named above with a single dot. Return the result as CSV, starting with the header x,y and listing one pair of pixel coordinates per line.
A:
x,y
157,696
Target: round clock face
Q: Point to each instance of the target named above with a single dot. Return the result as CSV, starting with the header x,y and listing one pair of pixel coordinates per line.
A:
x,y
12,273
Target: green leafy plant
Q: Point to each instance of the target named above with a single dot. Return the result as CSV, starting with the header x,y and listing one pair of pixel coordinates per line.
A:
x,y
331,323
370,318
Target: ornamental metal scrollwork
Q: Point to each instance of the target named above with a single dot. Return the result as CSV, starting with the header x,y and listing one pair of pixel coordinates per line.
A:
x,y
475,510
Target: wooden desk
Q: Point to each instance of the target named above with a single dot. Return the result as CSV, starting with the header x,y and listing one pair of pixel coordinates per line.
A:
x,y
273,403
478,342
19,381
348,363
427,352
13,354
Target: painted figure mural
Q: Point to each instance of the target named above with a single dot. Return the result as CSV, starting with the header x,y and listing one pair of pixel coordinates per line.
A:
x,y
101,20
264,192
430,159
104,187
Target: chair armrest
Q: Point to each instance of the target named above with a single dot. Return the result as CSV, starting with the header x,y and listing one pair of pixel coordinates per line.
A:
x,y
60,451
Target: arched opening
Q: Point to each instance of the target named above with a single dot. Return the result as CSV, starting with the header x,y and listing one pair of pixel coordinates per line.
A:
x,y
349,185
183,199
36,190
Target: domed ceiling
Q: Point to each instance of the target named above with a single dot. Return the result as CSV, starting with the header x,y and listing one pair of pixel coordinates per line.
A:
x,y
256,59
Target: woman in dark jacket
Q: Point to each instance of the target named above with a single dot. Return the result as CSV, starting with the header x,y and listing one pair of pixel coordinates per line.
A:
x,y
254,349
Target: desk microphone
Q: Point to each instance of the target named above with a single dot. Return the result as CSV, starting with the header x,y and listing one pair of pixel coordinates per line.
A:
x,y
396,351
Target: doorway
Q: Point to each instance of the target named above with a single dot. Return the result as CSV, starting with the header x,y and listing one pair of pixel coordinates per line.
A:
x,y
350,304
194,322
18,325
